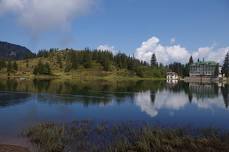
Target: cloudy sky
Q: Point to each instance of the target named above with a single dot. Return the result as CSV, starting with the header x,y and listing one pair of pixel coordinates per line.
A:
x,y
172,29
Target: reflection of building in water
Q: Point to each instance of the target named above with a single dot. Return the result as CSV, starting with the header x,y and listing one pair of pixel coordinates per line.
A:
x,y
172,81
166,99
204,90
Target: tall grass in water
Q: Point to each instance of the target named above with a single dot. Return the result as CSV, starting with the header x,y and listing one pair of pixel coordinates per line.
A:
x,y
47,137
103,137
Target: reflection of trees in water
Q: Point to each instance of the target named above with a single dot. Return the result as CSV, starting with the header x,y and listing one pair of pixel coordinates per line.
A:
x,y
9,99
190,96
96,92
100,91
152,96
225,93
41,85
70,99
8,85
181,87
11,85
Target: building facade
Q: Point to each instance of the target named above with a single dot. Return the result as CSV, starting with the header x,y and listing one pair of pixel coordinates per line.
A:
x,y
204,69
172,76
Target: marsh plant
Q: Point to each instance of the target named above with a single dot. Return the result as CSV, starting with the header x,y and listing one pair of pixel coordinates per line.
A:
x,y
90,136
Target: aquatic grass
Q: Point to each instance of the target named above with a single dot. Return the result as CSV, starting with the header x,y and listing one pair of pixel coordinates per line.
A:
x,y
47,137
104,137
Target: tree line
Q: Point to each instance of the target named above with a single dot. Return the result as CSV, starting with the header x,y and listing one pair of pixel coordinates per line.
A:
x,y
74,59
86,58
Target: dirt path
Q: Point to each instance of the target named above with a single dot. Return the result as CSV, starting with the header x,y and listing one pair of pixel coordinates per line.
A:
x,y
11,148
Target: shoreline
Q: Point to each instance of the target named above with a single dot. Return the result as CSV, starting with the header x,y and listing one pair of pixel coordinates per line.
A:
x,y
72,77
12,148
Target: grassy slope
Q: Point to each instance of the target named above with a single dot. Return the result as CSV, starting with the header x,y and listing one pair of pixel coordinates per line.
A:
x,y
95,72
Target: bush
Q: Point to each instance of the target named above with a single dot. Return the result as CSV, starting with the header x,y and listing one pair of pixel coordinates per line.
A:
x,y
42,69
150,72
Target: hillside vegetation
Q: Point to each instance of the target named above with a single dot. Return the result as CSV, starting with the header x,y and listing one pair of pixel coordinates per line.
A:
x,y
82,64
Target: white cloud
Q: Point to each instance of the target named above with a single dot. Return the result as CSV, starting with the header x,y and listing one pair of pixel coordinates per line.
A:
x,y
210,53
107,48
42,15
177,53
164,54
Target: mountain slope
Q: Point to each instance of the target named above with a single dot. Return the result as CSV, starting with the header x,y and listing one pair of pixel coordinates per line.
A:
x,y
13,51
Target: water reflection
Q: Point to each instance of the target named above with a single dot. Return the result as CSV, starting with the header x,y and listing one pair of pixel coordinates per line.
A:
x,y
225,93
86,92
150,96
176,97
25,102
8,99
163,99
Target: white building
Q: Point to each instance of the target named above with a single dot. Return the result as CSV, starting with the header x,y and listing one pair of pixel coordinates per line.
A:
x,y
172,76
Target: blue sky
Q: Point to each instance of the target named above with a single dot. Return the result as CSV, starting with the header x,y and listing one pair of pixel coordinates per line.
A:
x,y
120,24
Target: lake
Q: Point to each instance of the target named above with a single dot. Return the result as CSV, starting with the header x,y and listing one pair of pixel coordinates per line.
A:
x,y
24,103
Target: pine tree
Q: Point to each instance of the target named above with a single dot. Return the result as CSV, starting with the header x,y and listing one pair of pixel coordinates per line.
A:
x,y
226,65
59,61
27,63
9,66
190,60
154,61
15,66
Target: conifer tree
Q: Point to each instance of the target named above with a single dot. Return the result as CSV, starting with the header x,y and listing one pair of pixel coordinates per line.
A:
x,y
9,66
154,61
190,60
226,65
15,66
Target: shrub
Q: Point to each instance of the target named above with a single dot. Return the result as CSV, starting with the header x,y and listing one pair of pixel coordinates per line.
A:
x,y
41,68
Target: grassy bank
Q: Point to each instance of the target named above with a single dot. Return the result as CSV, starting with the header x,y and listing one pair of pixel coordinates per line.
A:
x,y
88,136
82,74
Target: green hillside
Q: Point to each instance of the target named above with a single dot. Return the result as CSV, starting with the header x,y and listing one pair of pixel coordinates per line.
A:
x,y
81,64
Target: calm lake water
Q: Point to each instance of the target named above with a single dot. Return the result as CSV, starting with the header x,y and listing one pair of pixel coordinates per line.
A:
x,y
24,103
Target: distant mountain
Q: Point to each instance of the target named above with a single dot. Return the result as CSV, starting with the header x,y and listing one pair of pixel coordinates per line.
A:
x,y
13,51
